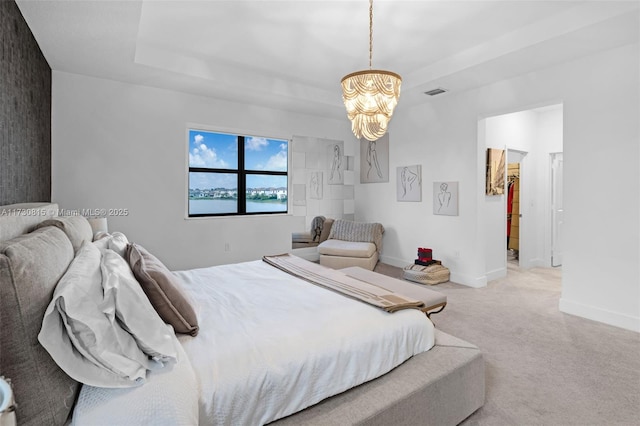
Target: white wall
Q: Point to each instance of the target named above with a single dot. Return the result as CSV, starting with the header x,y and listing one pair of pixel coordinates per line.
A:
x,y
600,97
118,145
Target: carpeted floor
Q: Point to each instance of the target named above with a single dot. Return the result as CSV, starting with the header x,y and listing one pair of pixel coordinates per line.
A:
x,y
543,367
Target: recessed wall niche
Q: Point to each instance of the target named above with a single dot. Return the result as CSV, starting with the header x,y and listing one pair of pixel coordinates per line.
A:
x,y
314,161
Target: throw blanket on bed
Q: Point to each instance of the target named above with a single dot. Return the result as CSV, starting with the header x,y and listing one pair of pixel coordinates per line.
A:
x,y
342,283
347,230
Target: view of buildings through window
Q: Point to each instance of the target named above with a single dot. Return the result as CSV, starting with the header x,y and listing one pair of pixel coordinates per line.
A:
x,y
234,174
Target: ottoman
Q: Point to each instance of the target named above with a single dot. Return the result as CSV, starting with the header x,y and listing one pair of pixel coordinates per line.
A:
x,y
430,275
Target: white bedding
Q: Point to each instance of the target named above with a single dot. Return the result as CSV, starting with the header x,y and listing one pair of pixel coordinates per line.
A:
x,y
271,344
168,398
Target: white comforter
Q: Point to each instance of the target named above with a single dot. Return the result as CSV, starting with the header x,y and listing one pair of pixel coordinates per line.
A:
x,y
271,344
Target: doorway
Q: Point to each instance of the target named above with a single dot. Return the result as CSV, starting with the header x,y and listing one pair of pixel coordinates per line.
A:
x,y
529,137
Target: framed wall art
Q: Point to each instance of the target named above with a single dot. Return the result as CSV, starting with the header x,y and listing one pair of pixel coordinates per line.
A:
x,y
337,163
315,186
495,171
374,160
409,183
445,198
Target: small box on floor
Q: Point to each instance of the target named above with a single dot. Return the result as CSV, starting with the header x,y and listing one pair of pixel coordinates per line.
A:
x,y
425,253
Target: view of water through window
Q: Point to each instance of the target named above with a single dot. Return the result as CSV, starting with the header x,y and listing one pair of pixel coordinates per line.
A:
x,y
216,171
231,206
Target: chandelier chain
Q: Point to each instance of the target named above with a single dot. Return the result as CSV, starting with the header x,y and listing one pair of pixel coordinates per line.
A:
x,y
370,32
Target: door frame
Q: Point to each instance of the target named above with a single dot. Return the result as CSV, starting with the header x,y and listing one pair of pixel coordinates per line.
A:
x,y
524,202
552,209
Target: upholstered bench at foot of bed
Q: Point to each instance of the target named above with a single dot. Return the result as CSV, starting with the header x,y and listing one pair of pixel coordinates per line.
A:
x,y
442,386
338,254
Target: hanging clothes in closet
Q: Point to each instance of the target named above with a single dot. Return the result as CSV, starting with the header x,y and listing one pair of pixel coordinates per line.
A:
x,y
513,207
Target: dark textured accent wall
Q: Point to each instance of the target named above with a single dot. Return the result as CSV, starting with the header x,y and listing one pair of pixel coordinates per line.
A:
x,y
25,112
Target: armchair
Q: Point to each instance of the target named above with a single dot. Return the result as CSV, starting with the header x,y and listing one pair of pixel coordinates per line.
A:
x,y
352,244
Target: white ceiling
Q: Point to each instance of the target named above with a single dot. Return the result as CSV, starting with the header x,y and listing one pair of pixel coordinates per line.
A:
x,y
292,54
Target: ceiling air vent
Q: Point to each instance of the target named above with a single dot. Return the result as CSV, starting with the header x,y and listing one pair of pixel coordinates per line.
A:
x,y
434,92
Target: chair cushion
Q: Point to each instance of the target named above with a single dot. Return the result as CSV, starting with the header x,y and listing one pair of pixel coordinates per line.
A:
x,y
339,262
346,248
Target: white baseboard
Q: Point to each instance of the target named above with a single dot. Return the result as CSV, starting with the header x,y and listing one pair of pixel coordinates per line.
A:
x,y
469,281
496,273
601,315
394,261
538,263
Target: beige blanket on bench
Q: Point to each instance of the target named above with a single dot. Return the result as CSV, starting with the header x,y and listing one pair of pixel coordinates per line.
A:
x,y
342,283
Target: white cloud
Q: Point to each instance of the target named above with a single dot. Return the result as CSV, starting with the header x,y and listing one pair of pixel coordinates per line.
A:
x,y
203,156
278,161
198,139
256,144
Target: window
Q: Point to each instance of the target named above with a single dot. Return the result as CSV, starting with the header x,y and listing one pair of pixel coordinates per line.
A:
x,y
236,175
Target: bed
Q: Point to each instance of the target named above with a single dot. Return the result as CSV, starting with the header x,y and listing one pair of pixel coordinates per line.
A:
x,y
231,359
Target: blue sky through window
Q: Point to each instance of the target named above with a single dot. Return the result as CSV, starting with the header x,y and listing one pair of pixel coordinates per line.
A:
x,y
220,151
213,150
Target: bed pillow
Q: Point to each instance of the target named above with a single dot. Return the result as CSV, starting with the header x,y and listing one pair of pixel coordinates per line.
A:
x,y
89,345
30,266
163,289
117,242
77,228
130,305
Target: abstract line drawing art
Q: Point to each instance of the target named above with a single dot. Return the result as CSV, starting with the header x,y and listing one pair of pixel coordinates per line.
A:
x,y
315,186
445,198
409,183
336,164
374,160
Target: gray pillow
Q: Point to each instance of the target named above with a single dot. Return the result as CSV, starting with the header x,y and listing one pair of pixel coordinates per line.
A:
x,y
81,333
163,290
77,228
30,267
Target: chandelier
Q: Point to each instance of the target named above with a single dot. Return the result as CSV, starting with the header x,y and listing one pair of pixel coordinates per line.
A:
x,y
370,96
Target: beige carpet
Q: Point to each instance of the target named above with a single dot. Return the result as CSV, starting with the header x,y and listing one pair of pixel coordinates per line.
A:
x,y
543,367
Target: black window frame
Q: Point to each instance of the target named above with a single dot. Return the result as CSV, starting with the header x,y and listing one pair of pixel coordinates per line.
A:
x,y
241,173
